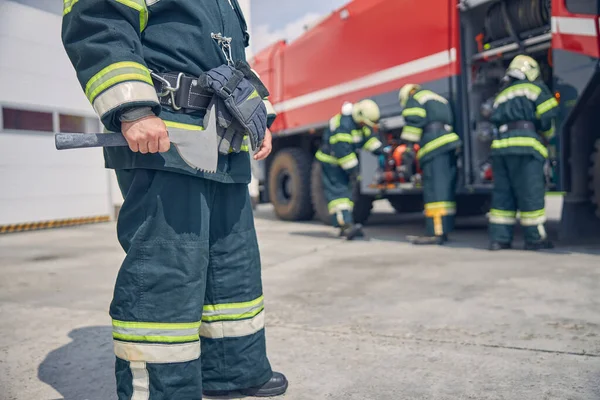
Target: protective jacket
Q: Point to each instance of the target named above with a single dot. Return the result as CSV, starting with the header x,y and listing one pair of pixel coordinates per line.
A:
x,y
525,101
428,118
114,43
342,140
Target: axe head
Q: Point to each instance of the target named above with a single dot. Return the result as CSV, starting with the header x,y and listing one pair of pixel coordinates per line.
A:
x,y
199,149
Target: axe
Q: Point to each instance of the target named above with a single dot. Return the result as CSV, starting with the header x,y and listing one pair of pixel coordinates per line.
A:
x,y
198,149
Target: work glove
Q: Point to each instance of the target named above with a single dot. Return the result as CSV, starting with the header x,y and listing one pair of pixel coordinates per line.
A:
x,y
242,101
229,131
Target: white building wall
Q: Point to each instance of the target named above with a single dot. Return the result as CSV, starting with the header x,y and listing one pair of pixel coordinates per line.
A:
x,y
37,182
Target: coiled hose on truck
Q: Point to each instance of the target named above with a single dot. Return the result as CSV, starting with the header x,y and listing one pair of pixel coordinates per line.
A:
x,y
526,15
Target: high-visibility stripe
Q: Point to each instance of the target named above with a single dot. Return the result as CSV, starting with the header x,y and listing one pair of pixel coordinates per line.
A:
x,y
520,142
528,90
113,74
394,73
140,7
357,136
155,332
425,95
232,311
340,138
157,352
349,161
437,143
140,381
68,6
574,26
123,93
411,133
546,106
414,111
231,329
29,226
502,217
503,213
532,218
334,122
339,205
449,207
372,144
326,158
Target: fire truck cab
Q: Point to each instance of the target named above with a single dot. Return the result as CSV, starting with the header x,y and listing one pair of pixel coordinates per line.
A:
x,y
459,49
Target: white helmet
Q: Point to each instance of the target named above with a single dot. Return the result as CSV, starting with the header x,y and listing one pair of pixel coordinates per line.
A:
x,y
347,108
523,67
366,112
405,92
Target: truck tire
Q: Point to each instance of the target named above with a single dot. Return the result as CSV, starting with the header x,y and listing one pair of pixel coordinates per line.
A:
x,y
289,185
595,176
363,205
319,202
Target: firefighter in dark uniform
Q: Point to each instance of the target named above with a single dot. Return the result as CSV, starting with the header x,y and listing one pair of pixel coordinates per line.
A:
x,y
524,112
348,131
190,282
428,122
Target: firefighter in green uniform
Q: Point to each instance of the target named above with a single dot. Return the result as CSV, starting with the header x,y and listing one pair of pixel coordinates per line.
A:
x,y
348,131
428,122
190,282
524,113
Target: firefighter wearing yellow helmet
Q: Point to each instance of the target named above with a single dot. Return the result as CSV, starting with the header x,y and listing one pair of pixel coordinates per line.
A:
x,y
428,122
524,111
352,129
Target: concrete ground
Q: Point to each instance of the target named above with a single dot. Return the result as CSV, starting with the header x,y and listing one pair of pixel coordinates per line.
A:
x,y
367,320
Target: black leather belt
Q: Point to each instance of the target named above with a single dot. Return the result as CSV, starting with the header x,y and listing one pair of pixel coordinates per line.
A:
x,y
180,92
437,126
514,125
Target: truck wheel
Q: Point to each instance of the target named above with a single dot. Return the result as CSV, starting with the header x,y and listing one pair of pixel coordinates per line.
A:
x,y
362,206
316,193
289,185
595,176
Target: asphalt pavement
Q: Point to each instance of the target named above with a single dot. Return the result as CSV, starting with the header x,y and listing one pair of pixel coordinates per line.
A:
x,y
365,320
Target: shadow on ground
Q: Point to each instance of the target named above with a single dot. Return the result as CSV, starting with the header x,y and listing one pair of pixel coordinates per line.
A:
x,y
84,368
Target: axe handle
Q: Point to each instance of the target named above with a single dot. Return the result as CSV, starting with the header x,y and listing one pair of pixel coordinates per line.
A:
x,y
81,140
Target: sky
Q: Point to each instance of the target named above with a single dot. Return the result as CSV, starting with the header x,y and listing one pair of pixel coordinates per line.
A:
x,y
271,20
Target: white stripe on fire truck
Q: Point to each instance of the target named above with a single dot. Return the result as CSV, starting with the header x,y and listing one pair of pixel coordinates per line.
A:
x,y
433,61
574,26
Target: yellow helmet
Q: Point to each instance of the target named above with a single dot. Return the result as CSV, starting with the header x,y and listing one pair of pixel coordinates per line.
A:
x,y
366,112
523,67
405,92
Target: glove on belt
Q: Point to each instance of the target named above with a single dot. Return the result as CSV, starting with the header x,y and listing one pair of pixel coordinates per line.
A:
x,y
241,100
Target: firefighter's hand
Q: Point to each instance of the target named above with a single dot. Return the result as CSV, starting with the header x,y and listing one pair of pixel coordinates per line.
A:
x,y
146,135
266,147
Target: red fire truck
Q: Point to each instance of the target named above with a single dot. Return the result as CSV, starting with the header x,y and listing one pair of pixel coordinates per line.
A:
x,y
459,49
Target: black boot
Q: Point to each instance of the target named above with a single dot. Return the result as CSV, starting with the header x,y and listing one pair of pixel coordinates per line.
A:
x,y
541,245
495,246
428,240
354,231
276,386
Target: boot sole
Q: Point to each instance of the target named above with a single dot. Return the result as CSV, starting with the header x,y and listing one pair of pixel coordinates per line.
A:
x,y
277,391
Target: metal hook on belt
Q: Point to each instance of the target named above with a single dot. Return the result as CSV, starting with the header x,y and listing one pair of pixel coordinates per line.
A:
x,y
225,44
167,88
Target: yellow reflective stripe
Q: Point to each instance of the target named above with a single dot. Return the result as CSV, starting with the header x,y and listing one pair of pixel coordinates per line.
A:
x,y
156,325
440,205
158,339
179,125
348,161
334,122
357,136
414,111
372,144
326,158
546,106
68,6
340,204
341,137
503,213
232,317
528,90
520,142
425,95
229,306
139,6
437,143
412,129
116,73
532,214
